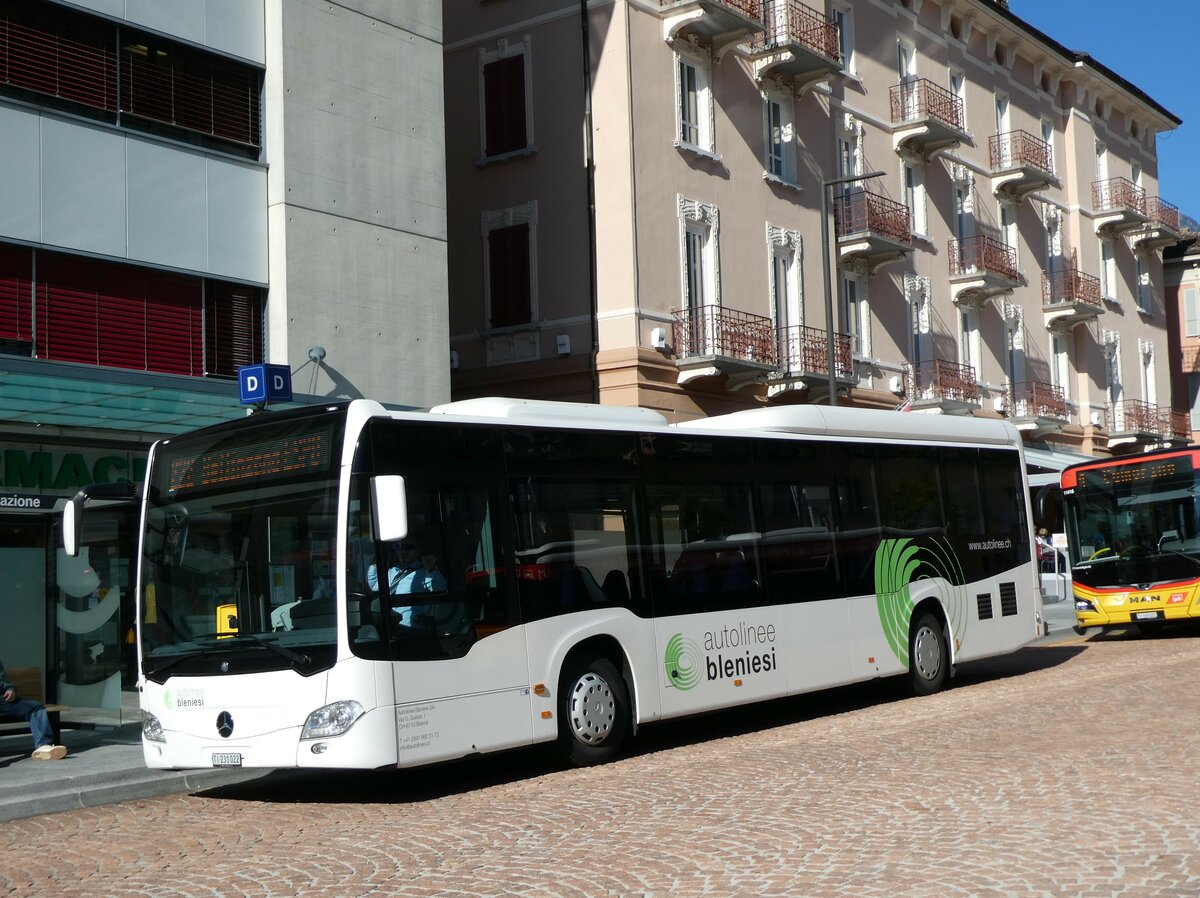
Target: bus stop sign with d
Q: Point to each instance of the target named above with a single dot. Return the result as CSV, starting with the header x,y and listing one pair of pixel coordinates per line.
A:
x,y
264,383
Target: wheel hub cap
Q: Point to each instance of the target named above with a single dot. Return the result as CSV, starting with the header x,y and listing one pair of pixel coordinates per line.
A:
x,y
927,655
593,709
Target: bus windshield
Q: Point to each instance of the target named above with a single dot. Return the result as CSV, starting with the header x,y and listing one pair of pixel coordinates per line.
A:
x,y
239,532
1135,523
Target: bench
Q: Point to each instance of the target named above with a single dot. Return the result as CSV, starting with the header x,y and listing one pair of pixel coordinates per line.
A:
x,y
28,682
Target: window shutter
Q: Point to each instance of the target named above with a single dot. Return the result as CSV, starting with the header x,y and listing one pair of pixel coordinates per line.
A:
x,y
120,316
67,310
173,332
56,53
509,276
16,297
233,328
504,105
1191,314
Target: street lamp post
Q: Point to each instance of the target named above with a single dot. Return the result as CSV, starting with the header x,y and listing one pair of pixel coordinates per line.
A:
x,y
830,354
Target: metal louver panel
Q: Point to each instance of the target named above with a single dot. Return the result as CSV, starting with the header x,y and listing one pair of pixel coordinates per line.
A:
x,y
233,328
1008,599
984,602
16,295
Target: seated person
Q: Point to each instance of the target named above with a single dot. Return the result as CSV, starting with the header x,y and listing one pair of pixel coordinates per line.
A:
x,y
413,574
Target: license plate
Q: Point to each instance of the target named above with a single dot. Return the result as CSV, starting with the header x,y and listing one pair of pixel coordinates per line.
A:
x,y
1147,615
227,759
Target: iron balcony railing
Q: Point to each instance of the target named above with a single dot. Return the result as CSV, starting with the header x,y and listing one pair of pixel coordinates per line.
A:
x,y
1118,193
1162,214
1133,416
804,350
919,99
1175,424
792,22
982,255
860,212
941,380
1017,149
725,333
1034,399
1070,286
751,9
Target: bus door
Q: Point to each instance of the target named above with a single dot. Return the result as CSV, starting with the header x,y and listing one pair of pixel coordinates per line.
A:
x,y
459,669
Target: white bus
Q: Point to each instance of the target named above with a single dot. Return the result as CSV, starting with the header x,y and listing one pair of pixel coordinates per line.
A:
x,y
351,587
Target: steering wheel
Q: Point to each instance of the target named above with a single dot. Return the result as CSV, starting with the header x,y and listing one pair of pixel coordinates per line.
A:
x,y
1105,551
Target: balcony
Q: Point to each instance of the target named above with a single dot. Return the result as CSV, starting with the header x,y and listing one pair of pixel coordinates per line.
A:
x,y
1021,164
1133,423
803,354
799,44
1162,228
719,23
941,386
711,341
871,228
928,118
981,267
1119,205
1038,408
1175,426
1069,298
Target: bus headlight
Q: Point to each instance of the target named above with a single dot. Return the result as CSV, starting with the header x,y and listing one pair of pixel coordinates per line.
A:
x,y
332,720
152,729
1084,605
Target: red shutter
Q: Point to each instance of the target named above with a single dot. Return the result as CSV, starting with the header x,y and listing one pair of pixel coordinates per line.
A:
x,y
121,316
67,309
508,275
58,53
504,105
233,328
173,334
16,269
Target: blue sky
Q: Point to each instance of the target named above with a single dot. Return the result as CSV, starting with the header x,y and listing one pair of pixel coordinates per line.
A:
x,y
1153,44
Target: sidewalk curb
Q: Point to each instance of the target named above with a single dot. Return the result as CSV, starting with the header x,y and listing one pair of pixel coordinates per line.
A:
x,y
75,793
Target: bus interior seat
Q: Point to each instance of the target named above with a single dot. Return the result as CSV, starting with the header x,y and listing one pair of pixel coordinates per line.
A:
x,y
616,587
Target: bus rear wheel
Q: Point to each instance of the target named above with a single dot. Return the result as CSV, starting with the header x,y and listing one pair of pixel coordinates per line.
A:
x,y
593,710
928,655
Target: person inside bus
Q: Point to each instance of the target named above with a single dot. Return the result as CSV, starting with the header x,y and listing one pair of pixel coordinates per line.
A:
x,y
17,708
415,572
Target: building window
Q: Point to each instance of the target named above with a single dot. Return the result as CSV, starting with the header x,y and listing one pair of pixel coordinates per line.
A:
x,y
1003,121
917,290
856,314
780,159
510,280
1191,313
1193,388
968,341
504,85
68,60
1048,139
1008,229
1112,359
1108,269
1144,289
914,196
1135,175
123,316
699,229
1060,371
1101,161
1014,345
693,91
1149,387
843,17
786,298
958,87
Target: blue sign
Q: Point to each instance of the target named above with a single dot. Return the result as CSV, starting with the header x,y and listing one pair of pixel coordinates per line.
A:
x,y
264,383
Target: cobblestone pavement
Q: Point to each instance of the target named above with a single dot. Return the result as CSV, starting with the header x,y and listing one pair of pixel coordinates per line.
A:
x,y
1067,769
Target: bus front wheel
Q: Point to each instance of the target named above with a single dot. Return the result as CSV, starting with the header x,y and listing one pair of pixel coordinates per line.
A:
x,y
928,655
593,710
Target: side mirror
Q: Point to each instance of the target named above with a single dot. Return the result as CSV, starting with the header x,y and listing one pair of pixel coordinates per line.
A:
x,y
72,523
391,507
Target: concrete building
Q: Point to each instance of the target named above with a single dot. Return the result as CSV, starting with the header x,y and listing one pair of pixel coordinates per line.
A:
x,y
635,196
188,186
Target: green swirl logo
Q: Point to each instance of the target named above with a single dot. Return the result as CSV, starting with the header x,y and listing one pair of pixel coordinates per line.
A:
x,y
681,660
898,564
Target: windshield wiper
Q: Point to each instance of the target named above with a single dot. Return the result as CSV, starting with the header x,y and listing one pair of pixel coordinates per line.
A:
x,y
294,657
1192,558
212,648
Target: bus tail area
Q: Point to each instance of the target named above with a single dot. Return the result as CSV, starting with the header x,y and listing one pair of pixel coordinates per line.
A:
x,y
351,587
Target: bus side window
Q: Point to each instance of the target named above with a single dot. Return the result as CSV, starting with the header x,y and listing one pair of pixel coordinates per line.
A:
x,y
856,513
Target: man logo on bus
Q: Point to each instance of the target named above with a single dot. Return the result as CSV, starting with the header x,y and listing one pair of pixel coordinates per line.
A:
x,y
682,662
